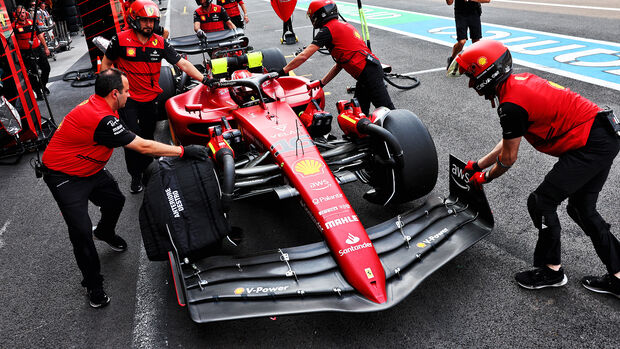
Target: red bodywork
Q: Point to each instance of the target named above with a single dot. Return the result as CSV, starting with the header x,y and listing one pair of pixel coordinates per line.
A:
x,y
284,8
277,129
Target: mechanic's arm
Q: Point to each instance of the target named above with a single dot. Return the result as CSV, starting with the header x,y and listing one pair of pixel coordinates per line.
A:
x,y
106,63
190,69
502,157
153,148
301,58
42,39
331,74
246,19
230,24
166,34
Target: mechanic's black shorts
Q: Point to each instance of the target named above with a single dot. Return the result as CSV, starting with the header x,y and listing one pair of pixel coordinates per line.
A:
x,y
465,21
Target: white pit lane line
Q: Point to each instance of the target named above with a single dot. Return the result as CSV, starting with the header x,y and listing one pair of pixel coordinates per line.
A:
x,y
3,230
558,5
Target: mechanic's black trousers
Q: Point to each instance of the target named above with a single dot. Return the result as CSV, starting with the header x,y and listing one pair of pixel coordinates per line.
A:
x,y
371,88
579,175
72,195
140,118
34,59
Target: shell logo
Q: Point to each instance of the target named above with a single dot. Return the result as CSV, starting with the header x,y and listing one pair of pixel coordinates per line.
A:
x,y
239,290
131,51
308,167
482,61
421,244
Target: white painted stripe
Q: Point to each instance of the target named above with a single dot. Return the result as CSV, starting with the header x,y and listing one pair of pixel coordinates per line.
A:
x,y
424,71
3,230
146,314
559,5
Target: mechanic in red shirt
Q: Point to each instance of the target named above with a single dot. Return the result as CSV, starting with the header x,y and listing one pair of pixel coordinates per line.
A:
x,y
159,30
74,170
232,9
210,18
348,51
33,47
561,123
138,52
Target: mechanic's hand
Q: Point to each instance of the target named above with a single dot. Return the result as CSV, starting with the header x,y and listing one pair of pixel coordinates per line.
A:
x,y
206,80
201,34
198,152
279,71
478,179
472,166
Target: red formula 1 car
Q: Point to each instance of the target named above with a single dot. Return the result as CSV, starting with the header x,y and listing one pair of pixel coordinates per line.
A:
x,y
270,134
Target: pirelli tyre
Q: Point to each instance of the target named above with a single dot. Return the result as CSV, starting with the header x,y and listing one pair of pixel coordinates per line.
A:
x,y
273,59
417,175
168,84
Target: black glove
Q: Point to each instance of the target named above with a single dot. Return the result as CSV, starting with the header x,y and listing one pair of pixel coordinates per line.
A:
x,y
280,72
206,80
198,152
201,35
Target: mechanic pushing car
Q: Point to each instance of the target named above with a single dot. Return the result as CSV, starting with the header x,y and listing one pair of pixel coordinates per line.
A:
x,y
561,123
138,52
348,51
74,170
232,9
210,17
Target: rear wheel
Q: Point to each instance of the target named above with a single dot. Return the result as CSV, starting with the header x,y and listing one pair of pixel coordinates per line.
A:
x,y
167,83
418,175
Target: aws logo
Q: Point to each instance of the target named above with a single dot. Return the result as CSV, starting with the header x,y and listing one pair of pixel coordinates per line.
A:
x,y
308,167
459,177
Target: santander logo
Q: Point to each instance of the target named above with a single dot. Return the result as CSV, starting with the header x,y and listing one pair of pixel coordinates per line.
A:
x,y
352,239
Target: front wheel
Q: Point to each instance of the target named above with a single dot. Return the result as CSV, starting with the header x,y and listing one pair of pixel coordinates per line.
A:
x,y
418,174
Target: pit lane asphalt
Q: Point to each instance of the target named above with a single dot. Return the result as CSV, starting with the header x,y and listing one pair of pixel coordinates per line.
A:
x,y
471,302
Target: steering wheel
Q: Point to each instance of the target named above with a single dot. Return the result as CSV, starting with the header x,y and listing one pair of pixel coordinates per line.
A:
x,y
254,83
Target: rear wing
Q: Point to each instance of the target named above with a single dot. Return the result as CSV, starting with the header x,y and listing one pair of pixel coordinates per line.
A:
x,y
306,278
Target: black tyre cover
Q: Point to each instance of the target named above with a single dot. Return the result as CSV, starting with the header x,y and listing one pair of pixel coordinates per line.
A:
x,y
185,196
167,83
418,175
273,59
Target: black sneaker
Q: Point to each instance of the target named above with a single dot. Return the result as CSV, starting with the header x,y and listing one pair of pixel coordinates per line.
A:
x,y
449,62
136,185
98,298
540,278
602,284
46,91
116,242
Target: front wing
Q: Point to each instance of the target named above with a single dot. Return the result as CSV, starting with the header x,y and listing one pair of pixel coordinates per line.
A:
x,y
306,278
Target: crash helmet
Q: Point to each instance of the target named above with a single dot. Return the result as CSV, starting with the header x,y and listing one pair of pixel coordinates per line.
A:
x,y
486,63
241,94
208,2
142,9
321,12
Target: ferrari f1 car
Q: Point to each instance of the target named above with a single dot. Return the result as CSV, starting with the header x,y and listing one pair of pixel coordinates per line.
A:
x,y
271,134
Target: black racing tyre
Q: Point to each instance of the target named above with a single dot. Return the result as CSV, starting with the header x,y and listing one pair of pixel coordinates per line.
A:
x,y
273,59
418,175
167,83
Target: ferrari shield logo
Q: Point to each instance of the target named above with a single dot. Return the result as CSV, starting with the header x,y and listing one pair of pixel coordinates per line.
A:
x,y
154,42
308,167
150,11
357,35
369,273
131,51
